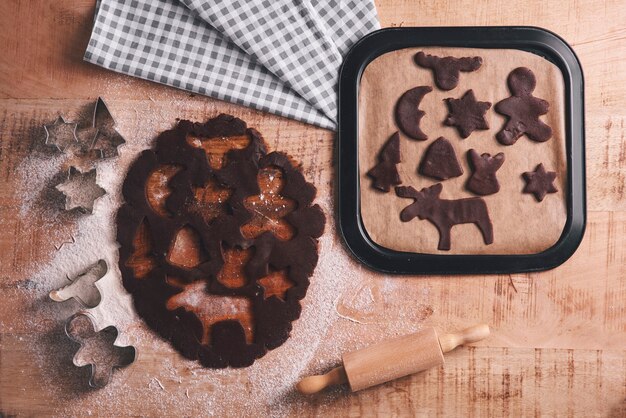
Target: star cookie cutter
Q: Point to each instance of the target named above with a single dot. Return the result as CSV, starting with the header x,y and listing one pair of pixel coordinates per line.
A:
x,y
80,190
87,140
84,287
97,349
61,134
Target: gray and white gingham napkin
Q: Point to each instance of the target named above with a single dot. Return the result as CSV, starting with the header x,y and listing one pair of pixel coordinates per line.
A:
x,y
279,56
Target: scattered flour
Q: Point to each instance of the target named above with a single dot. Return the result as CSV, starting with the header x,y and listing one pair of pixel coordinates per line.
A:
x,y
262,387
160,378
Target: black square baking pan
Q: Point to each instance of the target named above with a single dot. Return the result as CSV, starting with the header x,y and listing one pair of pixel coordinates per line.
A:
x,y
531,232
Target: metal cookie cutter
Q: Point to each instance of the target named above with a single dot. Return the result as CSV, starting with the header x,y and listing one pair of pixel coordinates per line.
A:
x,y
83,287
97,349
80,190
107,139
88,140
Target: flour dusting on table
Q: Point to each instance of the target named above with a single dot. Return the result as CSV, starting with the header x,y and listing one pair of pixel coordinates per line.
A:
x,y
263,384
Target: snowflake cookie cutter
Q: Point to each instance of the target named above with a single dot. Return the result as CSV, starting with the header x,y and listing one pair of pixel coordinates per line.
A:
x,y
83,287
97,349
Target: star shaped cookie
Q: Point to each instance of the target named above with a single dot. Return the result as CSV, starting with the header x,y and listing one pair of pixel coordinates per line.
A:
x,y
467,114
539,182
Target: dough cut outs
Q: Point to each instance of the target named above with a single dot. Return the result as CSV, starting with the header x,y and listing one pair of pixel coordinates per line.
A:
x,y
483,180
523,110
217,253
408,114
440,161
444,214
539,182
467,114
269,207
385,173
447,69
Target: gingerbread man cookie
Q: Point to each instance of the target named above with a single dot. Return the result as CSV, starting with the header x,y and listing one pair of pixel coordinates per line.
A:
x,y
523,110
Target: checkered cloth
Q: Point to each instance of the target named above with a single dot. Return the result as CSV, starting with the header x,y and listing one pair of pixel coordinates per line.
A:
x,y
278,56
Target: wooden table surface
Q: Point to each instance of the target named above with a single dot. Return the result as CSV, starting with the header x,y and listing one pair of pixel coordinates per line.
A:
x,y
559,337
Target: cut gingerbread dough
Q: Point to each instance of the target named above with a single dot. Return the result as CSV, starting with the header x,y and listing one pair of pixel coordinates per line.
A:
x,y
539,182
483,180
440,161
385,173
444,214
447,70
467,114
218,240
523,110
408,113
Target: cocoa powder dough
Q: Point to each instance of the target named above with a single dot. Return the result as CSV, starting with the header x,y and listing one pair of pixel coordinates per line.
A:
x,y
520,224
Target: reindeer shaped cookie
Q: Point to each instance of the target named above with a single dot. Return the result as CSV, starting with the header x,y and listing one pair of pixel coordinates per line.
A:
x,y
444,214
447,69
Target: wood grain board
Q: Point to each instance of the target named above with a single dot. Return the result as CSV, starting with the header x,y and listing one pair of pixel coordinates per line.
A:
x,y
559,337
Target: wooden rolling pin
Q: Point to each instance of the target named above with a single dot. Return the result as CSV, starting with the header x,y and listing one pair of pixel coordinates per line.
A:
x,y
392,359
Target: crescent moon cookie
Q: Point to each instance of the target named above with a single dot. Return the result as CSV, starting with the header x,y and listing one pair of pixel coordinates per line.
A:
x,y
408,114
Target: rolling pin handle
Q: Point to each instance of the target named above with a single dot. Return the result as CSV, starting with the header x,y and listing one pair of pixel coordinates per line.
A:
x,y
313,384
469,335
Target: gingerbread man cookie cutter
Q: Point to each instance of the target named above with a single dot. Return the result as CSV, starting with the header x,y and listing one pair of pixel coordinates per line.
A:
x,y
97,349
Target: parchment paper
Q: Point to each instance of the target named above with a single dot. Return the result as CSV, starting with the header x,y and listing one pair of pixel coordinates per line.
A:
x,y
521,224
